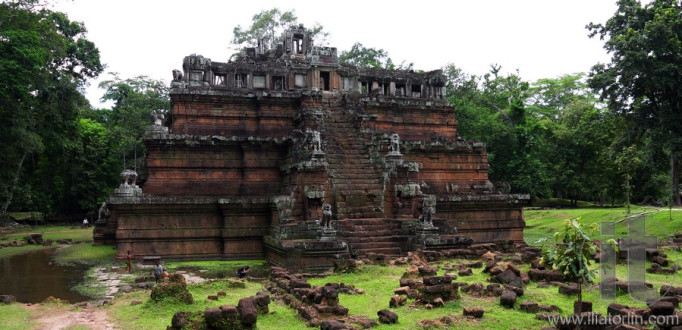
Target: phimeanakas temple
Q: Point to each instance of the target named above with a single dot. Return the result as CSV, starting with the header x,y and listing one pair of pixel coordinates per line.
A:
x,y
288,155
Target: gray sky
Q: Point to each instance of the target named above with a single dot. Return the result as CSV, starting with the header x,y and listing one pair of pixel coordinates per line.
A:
x,y
540,38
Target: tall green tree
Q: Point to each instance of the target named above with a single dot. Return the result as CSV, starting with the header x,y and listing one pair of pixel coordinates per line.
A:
x,y
643,81
268,25
580,134
44,60
134,99
493,109
369,57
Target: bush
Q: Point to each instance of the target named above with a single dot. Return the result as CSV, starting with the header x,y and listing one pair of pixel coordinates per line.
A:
x,y
172,290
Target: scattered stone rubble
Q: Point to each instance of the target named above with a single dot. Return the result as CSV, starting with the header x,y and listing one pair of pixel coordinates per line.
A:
x,y
242,316
318,305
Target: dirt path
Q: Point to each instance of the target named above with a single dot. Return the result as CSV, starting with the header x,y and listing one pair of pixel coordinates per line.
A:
x,y
63,317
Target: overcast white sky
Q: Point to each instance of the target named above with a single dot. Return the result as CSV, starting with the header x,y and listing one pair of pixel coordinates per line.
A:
x,y
540,38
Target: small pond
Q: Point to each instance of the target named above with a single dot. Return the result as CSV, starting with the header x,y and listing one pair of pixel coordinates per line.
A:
x,y
32,277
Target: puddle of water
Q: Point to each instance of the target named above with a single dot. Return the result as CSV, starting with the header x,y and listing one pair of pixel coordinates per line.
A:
x,y
31,278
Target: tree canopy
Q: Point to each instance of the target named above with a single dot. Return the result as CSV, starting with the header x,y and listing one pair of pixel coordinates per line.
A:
x,y
44,60
268,26
643,81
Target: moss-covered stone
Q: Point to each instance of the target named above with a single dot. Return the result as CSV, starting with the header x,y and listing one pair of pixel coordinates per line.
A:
x,y
174,290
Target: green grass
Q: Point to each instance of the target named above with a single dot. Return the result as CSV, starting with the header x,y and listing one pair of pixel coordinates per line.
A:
x,y
54,233
85,254
222,269
543,223
16,316
150,315
27,216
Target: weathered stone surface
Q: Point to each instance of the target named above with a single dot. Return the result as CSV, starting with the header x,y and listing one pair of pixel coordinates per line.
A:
x,y
465,272
475,312
568,289
582,307
181,320
545,275
334,325
262,302
248,314
213,317
387,316
508,298
435,280
667,290
397,301
427,270
508,277
662,308
529,307
660,260
307,313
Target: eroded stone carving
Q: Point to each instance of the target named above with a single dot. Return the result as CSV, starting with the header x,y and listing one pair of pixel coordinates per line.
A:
x,y
103,213
394,147
317,141
285,206
326,231
157,117
128,187
428,210
197,70
502,187
326,216
177,75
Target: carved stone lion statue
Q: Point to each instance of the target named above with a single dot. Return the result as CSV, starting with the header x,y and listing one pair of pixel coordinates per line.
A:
x,y
158,117
317,141
177,75
103,214
394,147
428,209
326,216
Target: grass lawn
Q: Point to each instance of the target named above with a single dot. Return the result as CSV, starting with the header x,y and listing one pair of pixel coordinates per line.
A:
x,y
85,254
76,234
151,315
15,316
660,222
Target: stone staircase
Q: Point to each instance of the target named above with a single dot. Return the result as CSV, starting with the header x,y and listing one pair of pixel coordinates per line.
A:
x,y
357,186
377,235
358,189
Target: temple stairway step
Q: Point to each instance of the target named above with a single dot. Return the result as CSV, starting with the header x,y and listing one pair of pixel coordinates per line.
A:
x,y
366,239
389,251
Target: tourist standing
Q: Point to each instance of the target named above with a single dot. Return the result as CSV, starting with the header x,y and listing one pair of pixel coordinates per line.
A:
x,y
158,271
129,260
85,222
